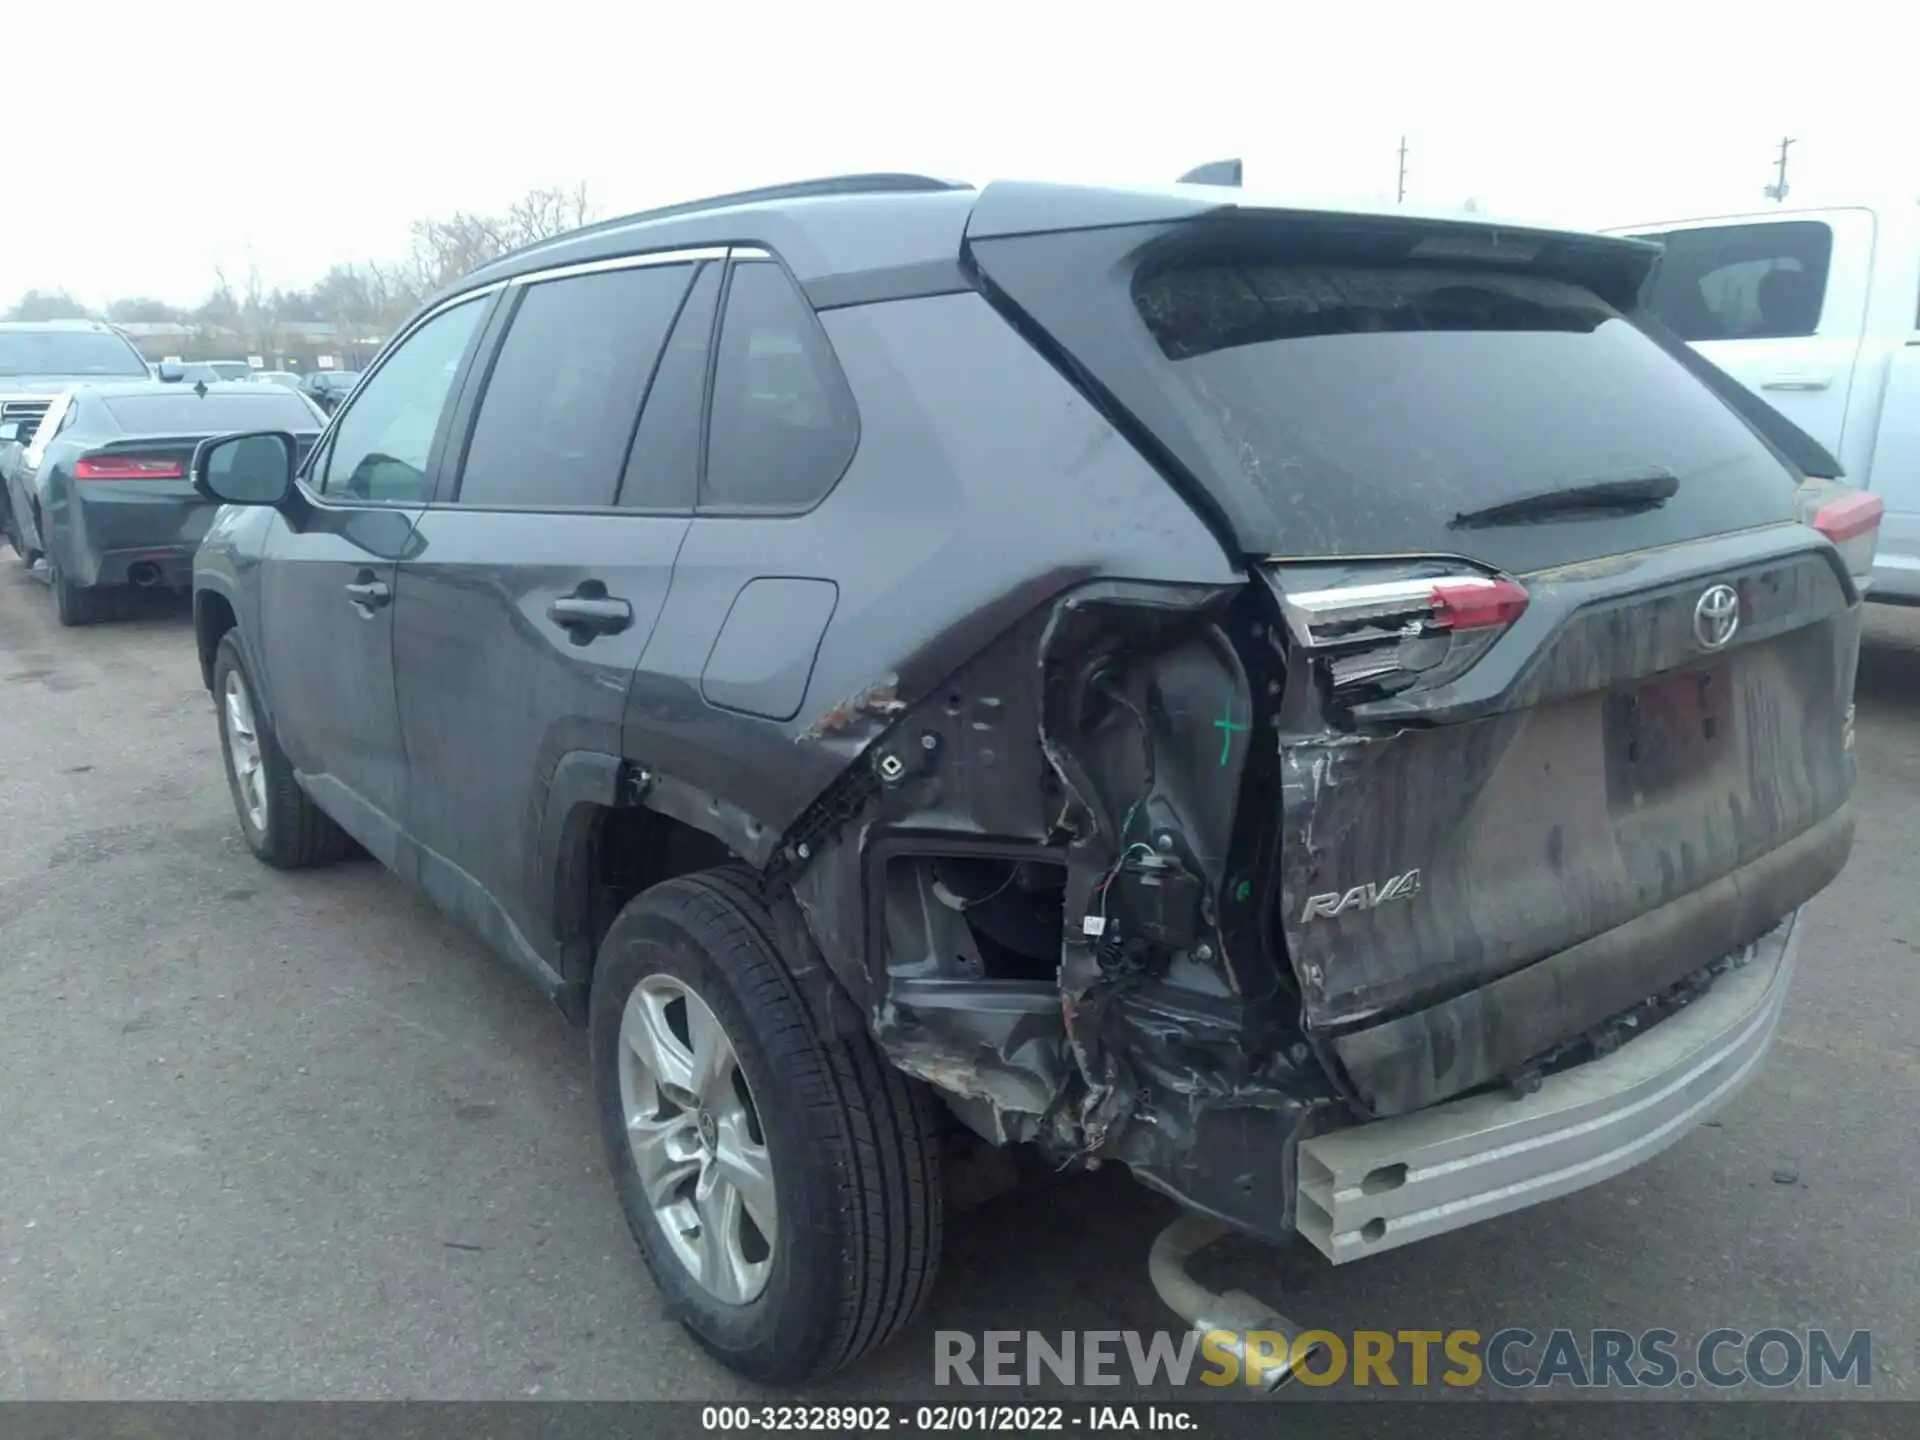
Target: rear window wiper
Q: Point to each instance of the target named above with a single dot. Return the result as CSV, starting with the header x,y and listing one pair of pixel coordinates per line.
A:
x,y
1626,495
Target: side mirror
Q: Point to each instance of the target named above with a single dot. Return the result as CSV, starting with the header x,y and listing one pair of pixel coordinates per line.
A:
x,y
9,432
250,469
171,371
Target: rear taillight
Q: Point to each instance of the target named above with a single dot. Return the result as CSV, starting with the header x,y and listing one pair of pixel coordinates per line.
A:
x,y
1392,634
1851,520
127,467
1447,602
1477,604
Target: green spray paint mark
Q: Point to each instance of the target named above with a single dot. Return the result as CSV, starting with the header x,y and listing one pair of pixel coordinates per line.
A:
x,y
1227,730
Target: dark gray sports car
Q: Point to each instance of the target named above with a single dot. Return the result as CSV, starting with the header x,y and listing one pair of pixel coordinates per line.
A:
x,y
102,498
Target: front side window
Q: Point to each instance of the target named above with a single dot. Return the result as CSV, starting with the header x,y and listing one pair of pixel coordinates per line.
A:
x,y
1766,281
561,403
783,425
381,444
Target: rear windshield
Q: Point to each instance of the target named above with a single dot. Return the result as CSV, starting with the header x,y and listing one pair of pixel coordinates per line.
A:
x,y
1371,406
182,412
67,352
1743,282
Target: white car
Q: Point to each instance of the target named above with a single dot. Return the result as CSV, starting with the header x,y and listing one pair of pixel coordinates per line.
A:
x,y
1817,311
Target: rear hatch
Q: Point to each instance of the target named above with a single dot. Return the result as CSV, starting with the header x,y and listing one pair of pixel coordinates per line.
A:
x,y
1567,705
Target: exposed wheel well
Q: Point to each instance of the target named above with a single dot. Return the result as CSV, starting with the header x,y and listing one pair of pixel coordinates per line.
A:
x,y
609,856
212,618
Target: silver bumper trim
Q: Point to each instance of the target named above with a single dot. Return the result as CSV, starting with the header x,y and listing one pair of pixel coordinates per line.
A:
x,y
1390,1182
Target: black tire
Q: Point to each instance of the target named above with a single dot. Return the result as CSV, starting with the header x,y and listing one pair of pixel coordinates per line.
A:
x,y
854,1145
76,605
297,833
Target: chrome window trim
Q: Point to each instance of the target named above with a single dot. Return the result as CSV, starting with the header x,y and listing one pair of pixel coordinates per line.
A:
x,y
620,262
685,255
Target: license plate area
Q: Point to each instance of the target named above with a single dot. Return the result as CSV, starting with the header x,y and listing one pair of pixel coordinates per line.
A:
x,y
1667,732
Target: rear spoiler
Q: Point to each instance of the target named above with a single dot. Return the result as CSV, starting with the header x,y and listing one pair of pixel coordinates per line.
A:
x,y
1803,452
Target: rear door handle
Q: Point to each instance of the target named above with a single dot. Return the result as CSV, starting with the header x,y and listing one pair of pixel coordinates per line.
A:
x,y
585,616
1796,382
369,594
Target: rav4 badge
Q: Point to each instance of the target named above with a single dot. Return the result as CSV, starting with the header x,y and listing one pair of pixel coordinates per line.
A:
x,y
1361,897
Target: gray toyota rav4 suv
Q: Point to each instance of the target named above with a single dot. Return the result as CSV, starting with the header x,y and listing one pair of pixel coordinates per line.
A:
x,y
1336,712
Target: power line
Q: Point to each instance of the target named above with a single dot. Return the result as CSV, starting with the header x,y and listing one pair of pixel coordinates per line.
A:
x,y
1778,190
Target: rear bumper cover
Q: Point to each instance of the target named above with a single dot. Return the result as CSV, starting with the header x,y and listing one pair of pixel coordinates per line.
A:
x,y
99,539
1390,1182
1406,1065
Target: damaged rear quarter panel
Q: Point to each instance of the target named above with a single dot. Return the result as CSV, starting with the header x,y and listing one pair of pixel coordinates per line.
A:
x,y
982,485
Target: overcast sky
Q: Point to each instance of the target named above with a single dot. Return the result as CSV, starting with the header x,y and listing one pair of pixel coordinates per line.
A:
x,y
172,137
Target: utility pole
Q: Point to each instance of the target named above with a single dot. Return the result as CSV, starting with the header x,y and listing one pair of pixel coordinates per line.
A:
x,y
1400,192
1777,191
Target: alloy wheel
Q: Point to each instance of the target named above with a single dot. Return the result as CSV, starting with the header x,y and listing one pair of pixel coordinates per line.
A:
x,y
696,1139
243,750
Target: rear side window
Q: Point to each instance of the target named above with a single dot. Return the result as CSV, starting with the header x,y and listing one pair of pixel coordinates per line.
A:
x,y
782,425
182,412
561,404
663,469
1743,282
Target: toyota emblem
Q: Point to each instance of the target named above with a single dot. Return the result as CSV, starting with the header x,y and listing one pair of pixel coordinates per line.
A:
x,y
1716,616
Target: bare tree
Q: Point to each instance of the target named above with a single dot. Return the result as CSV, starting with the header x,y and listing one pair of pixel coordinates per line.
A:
x,y
137,309
220,309
541,214
49,305
445,249
365,297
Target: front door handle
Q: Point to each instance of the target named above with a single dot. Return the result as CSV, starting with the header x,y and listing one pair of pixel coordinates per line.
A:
x,y
585,616
369,595
1796,382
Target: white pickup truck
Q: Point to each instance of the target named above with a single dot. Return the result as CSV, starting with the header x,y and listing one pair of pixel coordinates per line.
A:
x,y
1817,312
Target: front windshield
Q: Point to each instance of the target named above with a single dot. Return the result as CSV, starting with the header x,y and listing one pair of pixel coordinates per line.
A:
x,y
67,352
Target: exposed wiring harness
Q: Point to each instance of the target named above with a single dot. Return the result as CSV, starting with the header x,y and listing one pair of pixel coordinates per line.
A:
x,y
1106,946
1104,683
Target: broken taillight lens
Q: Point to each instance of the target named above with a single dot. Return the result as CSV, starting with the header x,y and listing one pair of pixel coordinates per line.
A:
x,y
1447,602
1390,634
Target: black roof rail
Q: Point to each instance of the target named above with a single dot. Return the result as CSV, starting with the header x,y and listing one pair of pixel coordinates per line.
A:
x,y
877,183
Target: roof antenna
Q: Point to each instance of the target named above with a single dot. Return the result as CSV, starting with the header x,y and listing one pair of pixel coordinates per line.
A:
x,y
1214,172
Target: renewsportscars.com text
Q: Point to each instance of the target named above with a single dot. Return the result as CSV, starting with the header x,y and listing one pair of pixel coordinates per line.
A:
x,y
1511,1358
